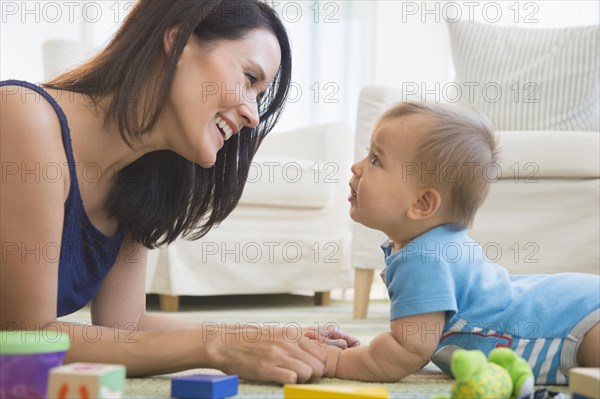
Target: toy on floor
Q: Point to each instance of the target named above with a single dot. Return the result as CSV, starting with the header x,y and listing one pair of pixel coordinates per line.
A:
x,y
504,376
26,358
300,391
204,386
584,383
519,370
86,381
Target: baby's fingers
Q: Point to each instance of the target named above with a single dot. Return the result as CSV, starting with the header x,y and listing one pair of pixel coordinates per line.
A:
x,y
340,343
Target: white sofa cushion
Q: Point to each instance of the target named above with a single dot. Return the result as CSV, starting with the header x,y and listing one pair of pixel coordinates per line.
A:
x,y
533,155
288,182
529,79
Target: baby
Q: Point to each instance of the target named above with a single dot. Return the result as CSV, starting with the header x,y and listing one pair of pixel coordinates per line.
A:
x,y
421,183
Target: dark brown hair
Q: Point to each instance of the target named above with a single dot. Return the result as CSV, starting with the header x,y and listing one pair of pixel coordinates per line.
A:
x,y
162,196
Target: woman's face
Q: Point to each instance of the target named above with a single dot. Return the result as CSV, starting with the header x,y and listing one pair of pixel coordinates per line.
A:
x,y
215,92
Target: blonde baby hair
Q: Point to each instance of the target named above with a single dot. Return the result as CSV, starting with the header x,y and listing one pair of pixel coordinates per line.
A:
x,y
457,153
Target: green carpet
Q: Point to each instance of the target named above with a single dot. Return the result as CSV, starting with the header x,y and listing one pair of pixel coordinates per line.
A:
x,y
283,309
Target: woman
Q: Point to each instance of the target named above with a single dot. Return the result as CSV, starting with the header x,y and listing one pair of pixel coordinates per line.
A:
x,y
168,117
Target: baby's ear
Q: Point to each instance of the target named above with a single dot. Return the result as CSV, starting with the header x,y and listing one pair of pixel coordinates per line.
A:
x,y
426,204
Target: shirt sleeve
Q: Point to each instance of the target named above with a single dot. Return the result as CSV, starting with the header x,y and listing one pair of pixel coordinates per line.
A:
x,y
419,286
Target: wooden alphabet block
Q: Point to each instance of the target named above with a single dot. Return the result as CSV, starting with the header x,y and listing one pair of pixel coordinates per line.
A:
x,y
204,386
86,381
584,383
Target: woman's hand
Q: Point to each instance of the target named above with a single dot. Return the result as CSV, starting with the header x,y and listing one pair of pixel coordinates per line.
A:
x,y
266,354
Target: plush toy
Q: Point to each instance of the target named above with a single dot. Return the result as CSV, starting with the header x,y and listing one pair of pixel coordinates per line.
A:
x,y
518,369
504,376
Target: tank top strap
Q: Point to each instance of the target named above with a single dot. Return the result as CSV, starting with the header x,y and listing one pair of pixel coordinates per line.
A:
x,y
64,126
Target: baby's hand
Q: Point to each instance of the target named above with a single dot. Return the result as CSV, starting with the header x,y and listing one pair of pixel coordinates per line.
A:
x,y
332,335
333,355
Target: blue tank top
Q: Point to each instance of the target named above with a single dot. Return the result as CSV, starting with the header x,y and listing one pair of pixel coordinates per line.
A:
x,y
86,254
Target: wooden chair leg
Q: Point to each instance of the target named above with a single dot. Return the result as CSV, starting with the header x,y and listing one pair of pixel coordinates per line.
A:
x,y
363,279
168,303
323,298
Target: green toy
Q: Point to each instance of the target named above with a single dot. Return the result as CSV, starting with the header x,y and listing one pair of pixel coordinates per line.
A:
x,y
519,370
504,375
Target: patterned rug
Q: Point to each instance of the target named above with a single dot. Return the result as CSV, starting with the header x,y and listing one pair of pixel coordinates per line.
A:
x,y
284,309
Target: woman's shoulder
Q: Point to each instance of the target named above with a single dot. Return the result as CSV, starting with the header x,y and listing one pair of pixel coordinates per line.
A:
x,y
29,118
30,133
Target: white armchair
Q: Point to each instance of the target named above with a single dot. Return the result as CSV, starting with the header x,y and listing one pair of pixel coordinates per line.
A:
x,y
541,216
290,233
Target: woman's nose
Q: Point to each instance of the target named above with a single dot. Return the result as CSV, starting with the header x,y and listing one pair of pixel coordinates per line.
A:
x,y
249,111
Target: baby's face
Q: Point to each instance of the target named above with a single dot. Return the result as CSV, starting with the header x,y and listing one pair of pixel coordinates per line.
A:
x,y
385,184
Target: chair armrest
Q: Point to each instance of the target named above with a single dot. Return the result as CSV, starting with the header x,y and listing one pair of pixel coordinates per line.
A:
x,y
329,142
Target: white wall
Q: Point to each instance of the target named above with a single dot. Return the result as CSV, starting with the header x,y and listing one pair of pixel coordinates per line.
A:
x,y
411,40
329,41
338,45
25,25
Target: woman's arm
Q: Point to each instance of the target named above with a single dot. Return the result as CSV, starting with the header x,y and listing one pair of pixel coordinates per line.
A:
x,y
31,209
32,213
266,354
121,300
393,355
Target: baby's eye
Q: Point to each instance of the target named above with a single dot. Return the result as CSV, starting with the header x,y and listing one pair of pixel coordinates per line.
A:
x,y
373,160
251,78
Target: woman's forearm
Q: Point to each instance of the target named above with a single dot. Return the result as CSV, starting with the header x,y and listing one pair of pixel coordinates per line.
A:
x,y
160,322
158,344
142,352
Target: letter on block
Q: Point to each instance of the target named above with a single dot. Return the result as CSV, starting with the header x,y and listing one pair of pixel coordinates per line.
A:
x,y
297,391
204,386
584,383
86,381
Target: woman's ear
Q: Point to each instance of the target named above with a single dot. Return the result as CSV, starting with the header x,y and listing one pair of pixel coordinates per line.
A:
x,y
169,39
426,204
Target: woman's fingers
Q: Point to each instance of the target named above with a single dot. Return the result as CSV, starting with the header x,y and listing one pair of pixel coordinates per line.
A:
x,y
275,358
313,348
311,334
312,354
303,371
290,364
281,375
